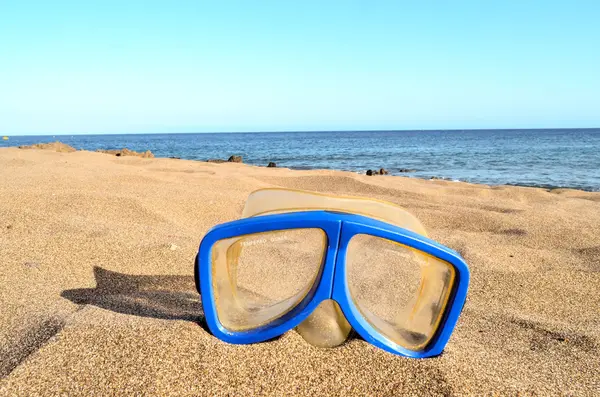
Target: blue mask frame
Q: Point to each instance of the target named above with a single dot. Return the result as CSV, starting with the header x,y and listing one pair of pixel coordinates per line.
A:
x,y
331,282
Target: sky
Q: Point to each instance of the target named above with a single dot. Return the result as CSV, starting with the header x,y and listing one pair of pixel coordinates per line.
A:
x,y
75,67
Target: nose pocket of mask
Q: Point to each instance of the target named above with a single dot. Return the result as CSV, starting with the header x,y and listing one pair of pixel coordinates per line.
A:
x,y
326,326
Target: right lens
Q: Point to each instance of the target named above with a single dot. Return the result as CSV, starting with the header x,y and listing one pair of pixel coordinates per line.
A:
x,y
257,278
400,291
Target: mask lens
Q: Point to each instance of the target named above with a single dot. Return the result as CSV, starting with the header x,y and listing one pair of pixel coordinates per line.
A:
x,y
400,291
257,278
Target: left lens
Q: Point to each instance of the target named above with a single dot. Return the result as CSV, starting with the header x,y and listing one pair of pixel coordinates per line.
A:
x,y
400,291
258,278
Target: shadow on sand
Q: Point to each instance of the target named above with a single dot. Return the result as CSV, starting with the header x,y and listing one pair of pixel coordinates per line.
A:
x,y
162,297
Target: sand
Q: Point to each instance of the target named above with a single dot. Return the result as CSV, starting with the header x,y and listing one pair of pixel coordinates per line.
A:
x,y
97,294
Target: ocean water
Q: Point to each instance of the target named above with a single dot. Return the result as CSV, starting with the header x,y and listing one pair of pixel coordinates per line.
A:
x,y
545,158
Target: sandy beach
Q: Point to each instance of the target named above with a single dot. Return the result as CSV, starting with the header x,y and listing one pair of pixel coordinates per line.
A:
x,y
97,292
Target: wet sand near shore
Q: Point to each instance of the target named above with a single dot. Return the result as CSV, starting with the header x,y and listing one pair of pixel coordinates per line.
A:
x,y
97,292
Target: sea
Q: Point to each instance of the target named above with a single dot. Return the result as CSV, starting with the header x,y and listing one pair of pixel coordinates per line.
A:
x,y
549,158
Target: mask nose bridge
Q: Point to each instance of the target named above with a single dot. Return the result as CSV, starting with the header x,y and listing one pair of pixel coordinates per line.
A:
x,y
336,260
334,264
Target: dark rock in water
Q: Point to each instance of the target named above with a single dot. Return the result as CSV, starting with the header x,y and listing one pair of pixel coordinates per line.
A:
x,y
232,159
175,158
126,152
271,165
381,171
406,170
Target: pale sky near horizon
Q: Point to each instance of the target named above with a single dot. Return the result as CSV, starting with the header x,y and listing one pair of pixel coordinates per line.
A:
x,y
191,66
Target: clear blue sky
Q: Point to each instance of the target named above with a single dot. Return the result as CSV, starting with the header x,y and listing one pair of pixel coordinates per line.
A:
x,y
184,66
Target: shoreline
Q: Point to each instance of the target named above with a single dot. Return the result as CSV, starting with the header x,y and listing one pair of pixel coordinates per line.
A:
x,y
61,147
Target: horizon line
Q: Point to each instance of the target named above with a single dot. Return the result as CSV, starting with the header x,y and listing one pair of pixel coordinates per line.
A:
x,y
305,131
